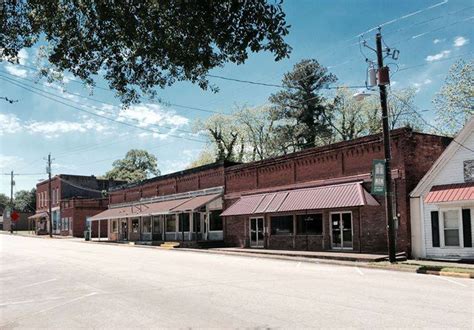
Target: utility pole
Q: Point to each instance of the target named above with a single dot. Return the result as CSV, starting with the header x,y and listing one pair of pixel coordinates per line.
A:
x,y
386,147
50,202
12,183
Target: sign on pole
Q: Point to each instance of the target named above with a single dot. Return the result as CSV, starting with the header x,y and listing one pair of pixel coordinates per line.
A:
x,y
378,177
14,216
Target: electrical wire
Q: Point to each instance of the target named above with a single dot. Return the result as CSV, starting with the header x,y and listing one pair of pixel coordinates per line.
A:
x,y
28,88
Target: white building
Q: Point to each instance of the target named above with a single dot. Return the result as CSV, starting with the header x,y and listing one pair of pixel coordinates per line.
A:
x,y
442,204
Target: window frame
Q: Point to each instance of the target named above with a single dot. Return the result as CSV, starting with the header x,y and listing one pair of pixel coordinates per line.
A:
x,y
173,217
296,215
293,218
442,229
143,225
138,225
115,223
210,219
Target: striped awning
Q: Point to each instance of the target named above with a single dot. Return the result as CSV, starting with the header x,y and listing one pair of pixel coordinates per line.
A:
x,y
323,197
39,215
451,193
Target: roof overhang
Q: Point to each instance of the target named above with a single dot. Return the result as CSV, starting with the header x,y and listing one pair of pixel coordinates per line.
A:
x,y
452,193
316,198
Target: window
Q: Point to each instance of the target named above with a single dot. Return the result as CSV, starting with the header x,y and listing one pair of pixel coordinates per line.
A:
x,y
197,222
310,224
134,225
215,221
451,228
54,196
183,222
114,226
170,223
282,225
157,224
146,225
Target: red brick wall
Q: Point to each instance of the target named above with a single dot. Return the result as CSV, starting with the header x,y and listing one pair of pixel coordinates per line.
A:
x,y
412,155
171,184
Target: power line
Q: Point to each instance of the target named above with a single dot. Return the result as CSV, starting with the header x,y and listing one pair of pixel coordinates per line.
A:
x,y
14,82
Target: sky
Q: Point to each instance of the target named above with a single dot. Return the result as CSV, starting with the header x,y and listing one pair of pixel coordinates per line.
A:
x,y
430,35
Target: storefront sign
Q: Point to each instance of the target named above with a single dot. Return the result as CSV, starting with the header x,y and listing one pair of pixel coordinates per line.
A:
x,y
378,177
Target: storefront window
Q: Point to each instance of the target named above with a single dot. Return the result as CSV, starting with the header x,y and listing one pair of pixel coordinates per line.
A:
x,y
157,224
310,224
146,225
197,222
170,223
115,226
215,221
183,222
282,225
134,225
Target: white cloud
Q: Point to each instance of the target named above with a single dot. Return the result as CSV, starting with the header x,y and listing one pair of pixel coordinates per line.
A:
x,y
145,115
23,56
9,123
460,41
437,57
427,81
16,71
10,161
437,41
56,128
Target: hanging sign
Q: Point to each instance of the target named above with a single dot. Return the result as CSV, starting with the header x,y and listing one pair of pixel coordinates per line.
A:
x,y
378,177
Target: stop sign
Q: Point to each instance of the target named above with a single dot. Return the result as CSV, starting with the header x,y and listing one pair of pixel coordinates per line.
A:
x,y
15,216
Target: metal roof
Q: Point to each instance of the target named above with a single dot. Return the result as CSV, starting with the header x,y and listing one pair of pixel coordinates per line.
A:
x,y
451,193
324,197
195,203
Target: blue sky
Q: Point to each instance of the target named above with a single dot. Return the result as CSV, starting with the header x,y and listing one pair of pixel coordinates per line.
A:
x,y
429,40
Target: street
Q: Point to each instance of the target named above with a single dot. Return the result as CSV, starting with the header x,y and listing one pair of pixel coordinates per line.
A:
x,y
62,283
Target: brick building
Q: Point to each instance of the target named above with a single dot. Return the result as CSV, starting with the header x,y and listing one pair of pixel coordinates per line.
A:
x,y
66,191
318,199
181,206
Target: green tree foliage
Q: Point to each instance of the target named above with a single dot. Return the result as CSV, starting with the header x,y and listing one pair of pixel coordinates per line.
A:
x,y
300,109
454,103
25,201
206,156
143,44
136,166
4,201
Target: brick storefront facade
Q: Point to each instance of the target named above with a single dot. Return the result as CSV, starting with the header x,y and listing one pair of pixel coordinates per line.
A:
x,y
413,154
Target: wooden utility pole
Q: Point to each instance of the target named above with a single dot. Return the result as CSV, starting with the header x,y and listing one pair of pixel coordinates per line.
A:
x,y
386,147
50,202
12,183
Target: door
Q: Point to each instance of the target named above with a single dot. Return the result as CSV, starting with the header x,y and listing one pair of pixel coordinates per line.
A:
x,y
256,233
341,230
124,230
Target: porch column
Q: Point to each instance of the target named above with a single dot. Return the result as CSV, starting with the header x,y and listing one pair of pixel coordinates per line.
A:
x,y
98,224
176,227
163,227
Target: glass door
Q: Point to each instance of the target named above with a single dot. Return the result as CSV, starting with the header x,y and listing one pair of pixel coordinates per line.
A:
x,y
256,232
341,230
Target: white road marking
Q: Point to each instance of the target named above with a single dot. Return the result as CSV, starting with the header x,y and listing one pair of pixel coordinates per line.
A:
x,y
298,264
450,280
359,271
37,283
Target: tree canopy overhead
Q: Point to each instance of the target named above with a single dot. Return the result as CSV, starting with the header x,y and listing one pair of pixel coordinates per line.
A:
x,y
143,44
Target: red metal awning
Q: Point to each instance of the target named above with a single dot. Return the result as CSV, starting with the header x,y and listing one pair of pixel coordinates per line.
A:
x,y
451,193
195,203
323,197
39,215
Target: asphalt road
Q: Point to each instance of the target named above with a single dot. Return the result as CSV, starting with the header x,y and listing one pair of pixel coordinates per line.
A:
x,y
64,284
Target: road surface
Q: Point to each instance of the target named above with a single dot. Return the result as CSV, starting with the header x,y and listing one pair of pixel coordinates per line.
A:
x,y
61,283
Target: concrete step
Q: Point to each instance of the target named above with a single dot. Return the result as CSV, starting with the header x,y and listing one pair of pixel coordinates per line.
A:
x,y
170,245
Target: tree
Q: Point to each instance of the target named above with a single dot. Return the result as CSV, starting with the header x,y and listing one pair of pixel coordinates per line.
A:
x,y
136,166
401,106
4,201
225,135
258,128
454,103
206,156
25,201
299,108
143,44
